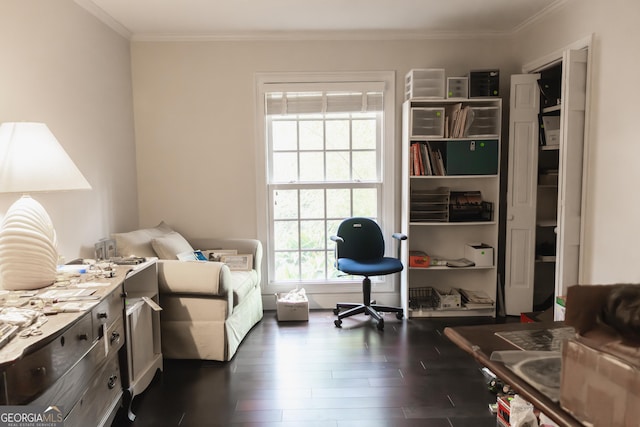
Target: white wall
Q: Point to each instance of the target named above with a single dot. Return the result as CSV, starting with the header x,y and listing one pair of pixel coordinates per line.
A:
x,y
195,115
612,228
63,67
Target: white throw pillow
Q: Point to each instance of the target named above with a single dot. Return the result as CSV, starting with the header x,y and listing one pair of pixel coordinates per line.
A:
x,y
170,245
138,242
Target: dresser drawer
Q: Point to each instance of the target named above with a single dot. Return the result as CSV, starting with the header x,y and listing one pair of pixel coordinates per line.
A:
x,y
36,372
101,399
105,313
72,385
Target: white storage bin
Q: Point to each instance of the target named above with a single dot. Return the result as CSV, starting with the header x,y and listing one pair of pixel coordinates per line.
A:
x,y
425,83
480,253
446,298
457,87
486,121
427,122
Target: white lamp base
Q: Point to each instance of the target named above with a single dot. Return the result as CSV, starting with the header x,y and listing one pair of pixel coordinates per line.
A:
x,y
28,247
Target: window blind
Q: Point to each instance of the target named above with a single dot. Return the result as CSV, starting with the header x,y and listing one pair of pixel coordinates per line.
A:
x,y
285,103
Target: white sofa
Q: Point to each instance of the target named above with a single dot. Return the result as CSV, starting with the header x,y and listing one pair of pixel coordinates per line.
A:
x,y
207,309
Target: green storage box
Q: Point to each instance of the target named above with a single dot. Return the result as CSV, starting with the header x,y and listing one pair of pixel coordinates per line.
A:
x,y
472,157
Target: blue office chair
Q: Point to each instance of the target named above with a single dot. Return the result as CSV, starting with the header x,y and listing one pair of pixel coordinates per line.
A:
x,y
360,252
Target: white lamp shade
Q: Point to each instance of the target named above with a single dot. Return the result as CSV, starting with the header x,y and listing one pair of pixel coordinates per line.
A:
x,y
32,159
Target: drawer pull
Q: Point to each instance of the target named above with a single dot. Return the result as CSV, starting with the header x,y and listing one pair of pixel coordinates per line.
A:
x,y
102,315
40,371
83,337
115,337
112,381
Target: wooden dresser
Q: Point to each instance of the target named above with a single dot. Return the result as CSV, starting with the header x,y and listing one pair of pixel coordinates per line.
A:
x,y
79,361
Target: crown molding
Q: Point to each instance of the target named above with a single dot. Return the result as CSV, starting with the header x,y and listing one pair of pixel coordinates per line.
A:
x,y
538,16
332,35
105,18
381,35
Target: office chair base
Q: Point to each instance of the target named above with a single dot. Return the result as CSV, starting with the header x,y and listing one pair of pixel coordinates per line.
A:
x,y
372,310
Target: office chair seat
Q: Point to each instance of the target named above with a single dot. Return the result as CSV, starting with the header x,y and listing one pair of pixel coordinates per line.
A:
x,y
375,267
360,252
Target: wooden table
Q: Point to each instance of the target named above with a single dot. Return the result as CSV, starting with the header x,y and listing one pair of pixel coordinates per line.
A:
x,y
480,341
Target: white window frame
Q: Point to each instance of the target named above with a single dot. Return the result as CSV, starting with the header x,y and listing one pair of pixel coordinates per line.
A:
x,y
266,82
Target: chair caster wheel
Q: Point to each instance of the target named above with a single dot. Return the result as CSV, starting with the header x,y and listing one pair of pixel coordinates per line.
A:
x,y
399,316
336,311
381,325
338,323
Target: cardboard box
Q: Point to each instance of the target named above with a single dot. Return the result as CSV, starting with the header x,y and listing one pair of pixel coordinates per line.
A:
x,y
599,388
480,253
600,377
419,259
291,311
504,410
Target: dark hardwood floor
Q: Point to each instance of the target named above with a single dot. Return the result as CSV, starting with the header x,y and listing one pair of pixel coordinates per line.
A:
x,y
314,374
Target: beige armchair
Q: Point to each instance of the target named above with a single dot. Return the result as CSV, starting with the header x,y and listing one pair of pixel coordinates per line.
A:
x,y
207,309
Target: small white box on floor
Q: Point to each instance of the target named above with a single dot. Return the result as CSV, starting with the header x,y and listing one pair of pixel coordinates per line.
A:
x,y
480,253
289,310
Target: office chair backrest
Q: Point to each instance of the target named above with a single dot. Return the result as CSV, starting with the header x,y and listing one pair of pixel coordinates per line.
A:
x,y
362,239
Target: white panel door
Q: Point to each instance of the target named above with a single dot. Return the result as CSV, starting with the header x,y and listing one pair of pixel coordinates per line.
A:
x,y
570,170
521,193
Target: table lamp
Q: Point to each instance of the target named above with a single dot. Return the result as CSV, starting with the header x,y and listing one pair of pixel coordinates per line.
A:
x,y
31,160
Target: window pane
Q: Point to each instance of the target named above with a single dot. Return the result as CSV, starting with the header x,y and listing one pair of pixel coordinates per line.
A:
x,y
287,265
284,135
311,135
332,230
338,203
364,134
285,235
364,166
332,271
311,203
312,235
312,167
338,166
313,265
365,202
285,204
285,167
337,135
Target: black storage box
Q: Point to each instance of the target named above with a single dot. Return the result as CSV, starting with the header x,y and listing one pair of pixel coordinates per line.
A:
x,y
483,83
472,157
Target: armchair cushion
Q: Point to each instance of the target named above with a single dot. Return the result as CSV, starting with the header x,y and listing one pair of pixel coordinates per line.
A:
x,y
193,277
170,245
138,242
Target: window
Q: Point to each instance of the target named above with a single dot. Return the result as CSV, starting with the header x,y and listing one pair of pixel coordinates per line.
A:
x,y
324,160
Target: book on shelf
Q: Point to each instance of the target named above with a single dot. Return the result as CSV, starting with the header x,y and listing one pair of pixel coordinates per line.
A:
x,y
422,160
459,120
